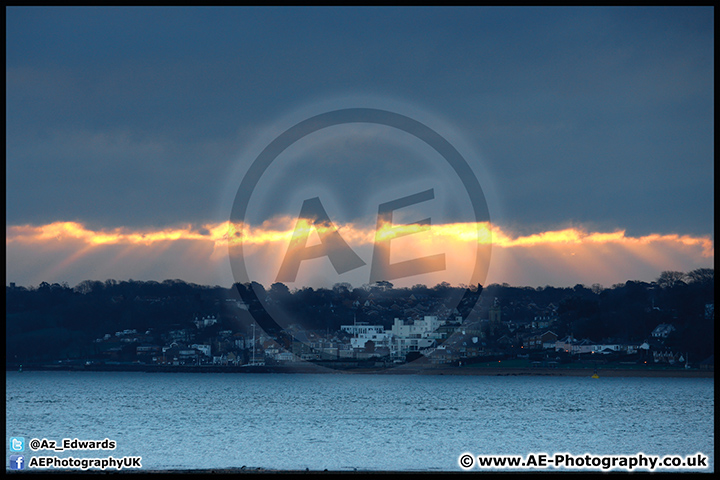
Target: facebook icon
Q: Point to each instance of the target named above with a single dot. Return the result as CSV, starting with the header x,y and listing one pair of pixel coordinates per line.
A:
x,y
17,462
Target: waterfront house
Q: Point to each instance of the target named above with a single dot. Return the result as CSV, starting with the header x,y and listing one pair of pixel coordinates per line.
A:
x,y
662,331
541,341
708,363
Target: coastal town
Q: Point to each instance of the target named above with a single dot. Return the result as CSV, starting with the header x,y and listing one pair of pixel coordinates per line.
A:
x,y
373,326
441,342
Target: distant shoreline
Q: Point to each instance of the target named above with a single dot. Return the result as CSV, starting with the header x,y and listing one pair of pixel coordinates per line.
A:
x,y
406,369
567,372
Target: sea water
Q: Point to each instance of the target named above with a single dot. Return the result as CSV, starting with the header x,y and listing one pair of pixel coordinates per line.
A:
x,y
356,422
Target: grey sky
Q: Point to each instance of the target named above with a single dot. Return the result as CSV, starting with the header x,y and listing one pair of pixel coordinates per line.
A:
x,y
138,116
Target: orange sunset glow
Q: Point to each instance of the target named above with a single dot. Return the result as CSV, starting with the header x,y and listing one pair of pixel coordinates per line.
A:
x,y
281,230
200,253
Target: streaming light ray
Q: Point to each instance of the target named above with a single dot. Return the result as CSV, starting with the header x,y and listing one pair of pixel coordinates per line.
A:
x,y
65,263
571,251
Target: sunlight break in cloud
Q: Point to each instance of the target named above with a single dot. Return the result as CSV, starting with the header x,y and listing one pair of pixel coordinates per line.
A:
x,y
69,251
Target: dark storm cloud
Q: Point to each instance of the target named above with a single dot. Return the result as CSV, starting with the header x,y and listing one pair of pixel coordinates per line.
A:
x,y
602,117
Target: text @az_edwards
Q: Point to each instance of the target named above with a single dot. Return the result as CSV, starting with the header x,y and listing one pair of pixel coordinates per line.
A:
x,y
71,444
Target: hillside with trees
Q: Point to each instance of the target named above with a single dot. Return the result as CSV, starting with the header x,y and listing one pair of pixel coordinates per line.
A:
x,y
56,321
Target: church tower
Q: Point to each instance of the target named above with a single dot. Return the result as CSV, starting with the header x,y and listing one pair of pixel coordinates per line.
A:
x,y
494,315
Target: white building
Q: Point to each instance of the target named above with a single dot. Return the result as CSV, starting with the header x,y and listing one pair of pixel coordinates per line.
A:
x,y
663,330
413,337
205,321
401,339
363,333
362,328
205,349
